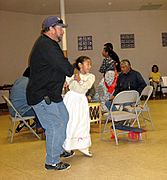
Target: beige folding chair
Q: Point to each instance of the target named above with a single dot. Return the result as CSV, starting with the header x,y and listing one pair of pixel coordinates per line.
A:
x,y
163,86
142,105
120,100
17,118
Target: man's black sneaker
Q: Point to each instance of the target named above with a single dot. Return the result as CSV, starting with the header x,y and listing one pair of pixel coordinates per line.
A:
x,y
59,166
66,154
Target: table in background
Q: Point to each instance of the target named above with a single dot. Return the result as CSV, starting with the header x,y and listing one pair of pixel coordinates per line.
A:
x,y
95,113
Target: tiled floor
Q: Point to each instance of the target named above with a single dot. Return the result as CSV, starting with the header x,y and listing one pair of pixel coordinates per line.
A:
x,y
146,160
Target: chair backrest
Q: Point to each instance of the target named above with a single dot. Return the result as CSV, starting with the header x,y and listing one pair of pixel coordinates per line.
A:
x,y
126,97
147,91
9,103
164,81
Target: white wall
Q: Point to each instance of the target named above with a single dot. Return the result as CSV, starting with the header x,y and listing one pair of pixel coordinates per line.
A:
x,y
107,27
17,35
19,31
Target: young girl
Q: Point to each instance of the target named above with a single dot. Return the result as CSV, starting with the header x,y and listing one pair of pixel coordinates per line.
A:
x,y
78,127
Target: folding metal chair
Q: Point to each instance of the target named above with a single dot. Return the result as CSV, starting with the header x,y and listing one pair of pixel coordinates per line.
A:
x,y
122,98
142,105
163,86
17,118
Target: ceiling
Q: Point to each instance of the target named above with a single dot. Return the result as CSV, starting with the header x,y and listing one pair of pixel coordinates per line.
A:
x,y
45,7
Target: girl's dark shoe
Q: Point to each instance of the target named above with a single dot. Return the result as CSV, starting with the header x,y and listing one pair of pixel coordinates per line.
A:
x,y
66,154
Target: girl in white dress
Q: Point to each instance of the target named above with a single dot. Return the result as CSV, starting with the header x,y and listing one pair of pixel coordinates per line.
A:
x,y
78,127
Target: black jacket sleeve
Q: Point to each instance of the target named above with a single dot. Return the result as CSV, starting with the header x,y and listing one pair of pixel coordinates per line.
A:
x,y
57,60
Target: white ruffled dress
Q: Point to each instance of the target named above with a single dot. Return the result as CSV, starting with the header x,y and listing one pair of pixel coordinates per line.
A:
x,y
78,127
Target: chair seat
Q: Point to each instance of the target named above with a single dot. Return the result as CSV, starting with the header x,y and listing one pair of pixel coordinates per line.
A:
x,y
121,115
137,108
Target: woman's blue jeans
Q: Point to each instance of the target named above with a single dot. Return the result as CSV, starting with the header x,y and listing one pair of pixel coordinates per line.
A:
x,y
54,118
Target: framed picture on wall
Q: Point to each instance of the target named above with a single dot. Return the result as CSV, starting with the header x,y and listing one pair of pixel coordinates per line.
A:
x,y
127,41
85,43
164,39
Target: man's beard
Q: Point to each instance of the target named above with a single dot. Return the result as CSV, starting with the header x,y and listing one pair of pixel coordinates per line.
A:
x,y
59,38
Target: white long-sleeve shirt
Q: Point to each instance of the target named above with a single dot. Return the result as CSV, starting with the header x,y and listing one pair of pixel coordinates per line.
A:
x,y
83,85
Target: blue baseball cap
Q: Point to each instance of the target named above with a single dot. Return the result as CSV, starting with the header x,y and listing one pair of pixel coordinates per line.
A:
x,y
53,21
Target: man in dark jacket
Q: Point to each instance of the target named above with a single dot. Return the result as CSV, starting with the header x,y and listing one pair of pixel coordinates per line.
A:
x,y
128,79
48,70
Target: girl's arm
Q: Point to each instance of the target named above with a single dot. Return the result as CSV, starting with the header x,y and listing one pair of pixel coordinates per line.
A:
x,y
82,86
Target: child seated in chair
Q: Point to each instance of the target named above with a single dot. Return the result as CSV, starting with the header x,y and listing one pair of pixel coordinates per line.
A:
x,y
155,78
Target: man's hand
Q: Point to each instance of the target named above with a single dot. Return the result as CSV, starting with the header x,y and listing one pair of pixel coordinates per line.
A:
x,y
65,85
89,98
111,99
77,77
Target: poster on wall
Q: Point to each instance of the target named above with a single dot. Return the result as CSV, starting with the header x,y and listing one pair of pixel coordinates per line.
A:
x,y
164,39
127,41
85,43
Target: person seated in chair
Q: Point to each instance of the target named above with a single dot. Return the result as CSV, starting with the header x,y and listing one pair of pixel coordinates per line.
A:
x,y
18,98
155,78
91,93
128,79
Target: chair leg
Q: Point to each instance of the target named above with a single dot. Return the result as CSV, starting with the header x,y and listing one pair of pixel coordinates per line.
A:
x,y
150,119
100,126
31,129
115,134
104,129
138,123
133,123
13,132
161,92
144,119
